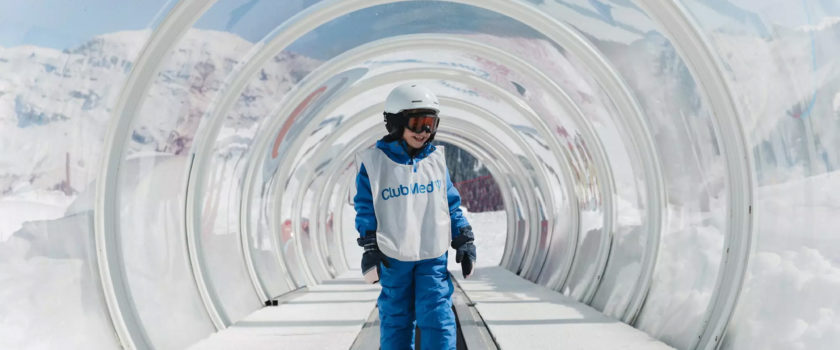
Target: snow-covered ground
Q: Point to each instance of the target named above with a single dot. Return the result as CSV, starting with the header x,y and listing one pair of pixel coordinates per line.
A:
x,y
48,279
490,229
30,206
794,275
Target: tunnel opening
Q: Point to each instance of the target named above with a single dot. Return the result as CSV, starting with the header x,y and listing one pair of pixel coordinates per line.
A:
x,y
184,162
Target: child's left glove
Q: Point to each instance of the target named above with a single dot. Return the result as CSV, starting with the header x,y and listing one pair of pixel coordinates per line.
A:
x,y
465,253
372,257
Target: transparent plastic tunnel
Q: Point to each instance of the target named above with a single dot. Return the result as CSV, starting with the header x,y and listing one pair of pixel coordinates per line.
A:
x,y
168,166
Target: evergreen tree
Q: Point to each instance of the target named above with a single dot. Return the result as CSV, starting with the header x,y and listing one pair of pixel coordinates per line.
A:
x,y
462,165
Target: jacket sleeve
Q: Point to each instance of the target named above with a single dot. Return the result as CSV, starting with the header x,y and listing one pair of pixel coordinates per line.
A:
x,y
363,203
455,215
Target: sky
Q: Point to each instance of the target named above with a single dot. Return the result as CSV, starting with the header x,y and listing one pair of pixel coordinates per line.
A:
x,y
62,24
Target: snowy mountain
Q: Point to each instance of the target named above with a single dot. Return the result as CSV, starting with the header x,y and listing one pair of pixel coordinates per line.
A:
x,y
55,106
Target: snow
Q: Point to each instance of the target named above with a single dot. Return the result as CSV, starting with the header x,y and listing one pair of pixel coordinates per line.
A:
x,y
41,319
50,286
30,205
490,229
794,275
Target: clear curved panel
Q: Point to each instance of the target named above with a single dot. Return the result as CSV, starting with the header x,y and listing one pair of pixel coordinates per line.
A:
x,y
197,70
152,194
779,60
686,144
220,228
232,264
62,67
156,266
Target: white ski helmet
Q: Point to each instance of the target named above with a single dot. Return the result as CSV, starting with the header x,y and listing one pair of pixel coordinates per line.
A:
x,y
411,96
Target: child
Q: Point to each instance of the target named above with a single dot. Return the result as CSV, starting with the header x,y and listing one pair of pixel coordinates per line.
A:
x,y
406,213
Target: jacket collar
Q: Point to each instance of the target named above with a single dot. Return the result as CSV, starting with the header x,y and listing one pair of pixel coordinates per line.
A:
x,y
398,151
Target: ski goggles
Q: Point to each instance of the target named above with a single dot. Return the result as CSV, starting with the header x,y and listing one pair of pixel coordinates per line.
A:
x,y
422,122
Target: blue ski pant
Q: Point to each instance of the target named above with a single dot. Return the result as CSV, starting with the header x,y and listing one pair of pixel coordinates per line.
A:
x,y
421,291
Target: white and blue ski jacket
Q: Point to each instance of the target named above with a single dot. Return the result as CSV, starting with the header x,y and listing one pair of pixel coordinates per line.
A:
x,y
397,151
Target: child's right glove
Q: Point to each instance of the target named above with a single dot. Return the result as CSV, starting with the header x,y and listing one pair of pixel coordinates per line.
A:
x,y
372,257
465,253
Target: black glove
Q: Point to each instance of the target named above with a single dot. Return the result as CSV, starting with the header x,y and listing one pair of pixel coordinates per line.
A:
x,y
372,257
465,253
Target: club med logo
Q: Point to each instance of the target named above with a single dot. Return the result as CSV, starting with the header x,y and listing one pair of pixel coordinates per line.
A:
x,y
403,190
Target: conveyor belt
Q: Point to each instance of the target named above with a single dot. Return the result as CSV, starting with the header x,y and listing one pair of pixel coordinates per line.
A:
x,y
472,332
